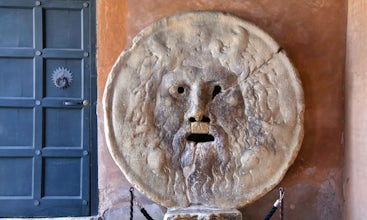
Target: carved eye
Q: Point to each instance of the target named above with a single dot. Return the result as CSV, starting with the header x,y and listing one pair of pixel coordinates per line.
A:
x,y
178,91
217,89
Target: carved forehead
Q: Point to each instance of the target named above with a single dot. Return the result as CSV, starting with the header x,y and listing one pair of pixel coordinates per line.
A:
x,y
209,74
233,43
199,31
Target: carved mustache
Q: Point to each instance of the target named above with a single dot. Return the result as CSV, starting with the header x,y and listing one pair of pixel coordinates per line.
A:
x,y
200,132
209,133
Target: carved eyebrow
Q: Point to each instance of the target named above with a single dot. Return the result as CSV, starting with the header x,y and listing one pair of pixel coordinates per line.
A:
x,y
226,83
227,89
170,79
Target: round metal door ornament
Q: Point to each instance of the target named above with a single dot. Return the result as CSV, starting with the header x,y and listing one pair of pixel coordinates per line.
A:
x,y
62,78
203,109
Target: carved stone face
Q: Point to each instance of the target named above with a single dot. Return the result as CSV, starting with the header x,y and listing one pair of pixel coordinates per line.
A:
x,y
209,113
197,128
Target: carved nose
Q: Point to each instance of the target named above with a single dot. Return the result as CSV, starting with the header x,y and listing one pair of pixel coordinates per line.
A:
x,y
198,111
198,106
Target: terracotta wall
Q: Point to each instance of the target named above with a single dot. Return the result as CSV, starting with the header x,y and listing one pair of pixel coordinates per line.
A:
x,y
312,32
356,117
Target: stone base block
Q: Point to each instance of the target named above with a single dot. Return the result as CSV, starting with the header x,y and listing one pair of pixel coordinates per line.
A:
x,y
202,213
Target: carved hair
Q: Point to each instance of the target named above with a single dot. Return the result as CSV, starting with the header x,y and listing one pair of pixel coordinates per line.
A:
x,y
160,57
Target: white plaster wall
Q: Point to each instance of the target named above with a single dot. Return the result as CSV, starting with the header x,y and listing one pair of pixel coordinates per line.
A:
x,y
355,175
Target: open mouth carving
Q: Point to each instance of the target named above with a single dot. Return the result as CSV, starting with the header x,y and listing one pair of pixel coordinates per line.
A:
x,y
200,132
200,138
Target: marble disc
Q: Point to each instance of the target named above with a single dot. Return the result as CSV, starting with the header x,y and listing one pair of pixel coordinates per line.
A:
x,y
203,109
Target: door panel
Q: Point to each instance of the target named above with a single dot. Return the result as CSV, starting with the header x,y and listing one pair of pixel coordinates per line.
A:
x,y
74,67
21,185
59,178
47,112
16,127
16,77
58,31
22,18
63,128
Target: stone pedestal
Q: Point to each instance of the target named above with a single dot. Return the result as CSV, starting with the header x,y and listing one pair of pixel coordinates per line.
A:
x,y
202,213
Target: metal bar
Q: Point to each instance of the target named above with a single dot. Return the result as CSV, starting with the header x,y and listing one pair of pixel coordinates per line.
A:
x,y
16,151
17,3
16,52
17,102
63,53
74,151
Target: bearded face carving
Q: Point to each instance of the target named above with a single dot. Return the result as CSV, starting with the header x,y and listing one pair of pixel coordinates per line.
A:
x,y
205,112
195,128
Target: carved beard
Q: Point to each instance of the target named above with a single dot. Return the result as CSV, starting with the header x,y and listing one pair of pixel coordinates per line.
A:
x,y
203,164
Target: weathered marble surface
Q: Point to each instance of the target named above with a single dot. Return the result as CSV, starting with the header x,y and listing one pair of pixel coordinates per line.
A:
x,y
203,76
202,213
